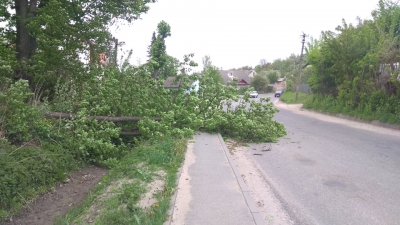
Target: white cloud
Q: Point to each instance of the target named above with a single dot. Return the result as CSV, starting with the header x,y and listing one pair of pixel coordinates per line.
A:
x,y
236,33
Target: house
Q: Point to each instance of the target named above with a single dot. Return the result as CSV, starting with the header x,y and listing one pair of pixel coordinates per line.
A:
x,y
243,76
281,80
172,83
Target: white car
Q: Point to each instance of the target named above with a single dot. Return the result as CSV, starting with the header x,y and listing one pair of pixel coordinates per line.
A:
x,y
254,94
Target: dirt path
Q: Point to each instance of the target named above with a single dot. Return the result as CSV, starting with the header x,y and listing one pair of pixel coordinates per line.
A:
x,y
58,202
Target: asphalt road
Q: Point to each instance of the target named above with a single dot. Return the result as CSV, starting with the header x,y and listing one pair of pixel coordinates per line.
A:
x,y
332,173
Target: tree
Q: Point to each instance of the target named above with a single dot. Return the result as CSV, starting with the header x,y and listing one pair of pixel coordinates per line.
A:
x,y
158,51
170,67
258,69
246,68
272,77
263,63
62,28
153,39
206,62
259,82
214,74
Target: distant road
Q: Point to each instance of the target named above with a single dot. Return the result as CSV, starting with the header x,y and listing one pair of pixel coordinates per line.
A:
x,y
333,173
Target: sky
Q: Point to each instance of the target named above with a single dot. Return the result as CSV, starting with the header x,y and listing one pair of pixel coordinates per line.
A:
x,y
236,33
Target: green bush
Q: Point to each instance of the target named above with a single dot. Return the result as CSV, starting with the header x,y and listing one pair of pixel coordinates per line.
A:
x,y
19,116
243,90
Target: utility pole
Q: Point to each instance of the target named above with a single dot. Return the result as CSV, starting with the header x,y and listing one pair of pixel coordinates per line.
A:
x,y
301,59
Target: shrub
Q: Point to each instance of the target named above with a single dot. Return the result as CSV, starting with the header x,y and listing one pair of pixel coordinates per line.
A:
x,y
243,90
19,117
372,106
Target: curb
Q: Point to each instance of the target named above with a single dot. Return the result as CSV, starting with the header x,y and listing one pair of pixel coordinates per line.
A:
x,y
351,118
170,212
255,213
372,122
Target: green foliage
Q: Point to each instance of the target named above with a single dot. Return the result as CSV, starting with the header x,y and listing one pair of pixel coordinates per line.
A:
x,y
259,82
7,59
290,97
247,120
28,171
20,118
158,54
90,140
243,90
272,77
114,91
141,165
372,106
58,32
206,62
182,112
214,74
286,67
354,63
170,67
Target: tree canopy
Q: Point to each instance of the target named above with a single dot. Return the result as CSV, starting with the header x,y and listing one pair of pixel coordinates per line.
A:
x,y
259,82
49,35
358,56
356,67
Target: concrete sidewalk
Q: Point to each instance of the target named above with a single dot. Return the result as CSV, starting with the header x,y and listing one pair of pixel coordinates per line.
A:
x,y
214,192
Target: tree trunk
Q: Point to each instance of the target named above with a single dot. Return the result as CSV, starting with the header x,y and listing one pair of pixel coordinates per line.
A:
x,y
155,73
100,118
25,43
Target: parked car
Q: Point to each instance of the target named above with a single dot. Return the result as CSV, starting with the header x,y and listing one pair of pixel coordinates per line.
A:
x,y
278,93
254,94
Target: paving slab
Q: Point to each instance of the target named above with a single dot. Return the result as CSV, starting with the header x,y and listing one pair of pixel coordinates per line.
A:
x,y
217,197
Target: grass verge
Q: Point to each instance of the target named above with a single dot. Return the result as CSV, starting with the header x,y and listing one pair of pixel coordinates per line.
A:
x,y
137,190
290,97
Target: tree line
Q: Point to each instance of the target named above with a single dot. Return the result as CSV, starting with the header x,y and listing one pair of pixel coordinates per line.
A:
x,y
355,69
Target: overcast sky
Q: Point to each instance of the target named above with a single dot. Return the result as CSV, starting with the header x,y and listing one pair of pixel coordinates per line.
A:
x,y
237,33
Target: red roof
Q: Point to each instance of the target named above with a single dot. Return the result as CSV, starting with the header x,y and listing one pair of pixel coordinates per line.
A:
x,y
242,82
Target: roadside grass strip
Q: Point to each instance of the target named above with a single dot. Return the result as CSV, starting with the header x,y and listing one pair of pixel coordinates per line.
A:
x,y
137,191
290,97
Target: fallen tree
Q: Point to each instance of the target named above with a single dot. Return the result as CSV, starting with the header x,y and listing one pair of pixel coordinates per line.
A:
x,y
60,115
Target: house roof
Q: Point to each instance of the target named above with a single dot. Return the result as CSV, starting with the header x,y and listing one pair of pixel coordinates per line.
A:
x,y
171,83
228,75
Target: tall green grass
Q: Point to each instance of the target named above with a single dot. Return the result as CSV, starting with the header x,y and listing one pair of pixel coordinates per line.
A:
x,y
372,106
27,171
